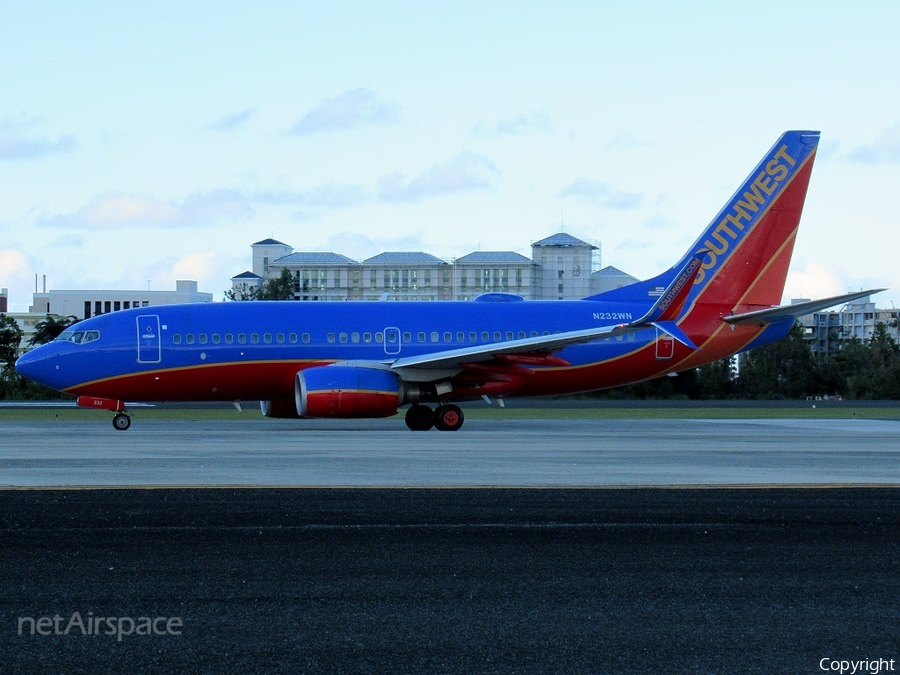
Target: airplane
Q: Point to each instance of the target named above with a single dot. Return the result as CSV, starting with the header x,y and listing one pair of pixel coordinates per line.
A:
x,y
369,359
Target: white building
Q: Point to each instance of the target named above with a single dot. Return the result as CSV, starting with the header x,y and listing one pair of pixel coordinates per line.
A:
x,y
563,267
85,304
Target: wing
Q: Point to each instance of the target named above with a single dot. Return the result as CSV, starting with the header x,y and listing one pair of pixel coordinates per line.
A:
x,y
660,315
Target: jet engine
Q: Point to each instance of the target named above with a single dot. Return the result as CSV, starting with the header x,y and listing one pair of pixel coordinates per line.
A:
x,y
342,390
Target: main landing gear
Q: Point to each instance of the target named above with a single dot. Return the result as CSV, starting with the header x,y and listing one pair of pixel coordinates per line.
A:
x,y
444,418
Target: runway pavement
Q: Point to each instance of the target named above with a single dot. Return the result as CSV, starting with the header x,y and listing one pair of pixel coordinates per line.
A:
x,y
576,452
448,580
420,568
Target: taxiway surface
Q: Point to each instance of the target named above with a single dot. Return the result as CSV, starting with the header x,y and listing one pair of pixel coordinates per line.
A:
x,y
538,453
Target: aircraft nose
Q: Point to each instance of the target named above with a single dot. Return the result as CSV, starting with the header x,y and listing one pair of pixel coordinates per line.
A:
x,y
33,365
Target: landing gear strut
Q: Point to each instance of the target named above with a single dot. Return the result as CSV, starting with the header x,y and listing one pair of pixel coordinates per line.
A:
x,y
445,418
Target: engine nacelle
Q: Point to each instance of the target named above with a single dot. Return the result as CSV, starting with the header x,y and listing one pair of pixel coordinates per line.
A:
x,y
281,408
347,391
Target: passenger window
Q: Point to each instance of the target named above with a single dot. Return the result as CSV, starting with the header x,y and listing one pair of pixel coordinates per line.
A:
x,y
521,334
407,337
292,338
435,337
202,337
534,333
331,338
229,338
176,339
279,338
509,335
343,338
485,336
267,338
460,337
448,337
254,338
242,338
367,337
421,337
473,337
354,338
379,337
189,338
497,336
216,338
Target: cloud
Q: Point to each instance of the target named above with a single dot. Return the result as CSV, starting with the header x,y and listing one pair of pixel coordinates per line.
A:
x,y
467,171
132,210
884,149
336,196
602,193
232,121
18,142
814,280
535,120
352,109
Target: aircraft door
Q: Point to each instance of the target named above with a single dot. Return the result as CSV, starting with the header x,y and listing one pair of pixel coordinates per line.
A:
x,y
665,345
392,341
149,341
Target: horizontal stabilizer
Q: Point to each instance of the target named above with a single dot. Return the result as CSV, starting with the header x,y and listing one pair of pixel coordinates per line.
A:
x,y
761,317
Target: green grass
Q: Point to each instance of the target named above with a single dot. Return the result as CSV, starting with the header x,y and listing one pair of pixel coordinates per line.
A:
x,y
590,410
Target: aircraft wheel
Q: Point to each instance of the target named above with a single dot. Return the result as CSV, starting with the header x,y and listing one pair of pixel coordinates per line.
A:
x,y
121,422
448,417
419,418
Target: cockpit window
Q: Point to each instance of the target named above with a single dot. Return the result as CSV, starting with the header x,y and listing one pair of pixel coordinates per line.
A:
x,y
79,337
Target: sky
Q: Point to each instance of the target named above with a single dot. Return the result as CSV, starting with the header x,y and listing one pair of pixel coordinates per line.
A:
x,y
142,143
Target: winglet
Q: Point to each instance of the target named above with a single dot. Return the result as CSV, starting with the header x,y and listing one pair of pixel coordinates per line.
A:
x,y
669,304
671,328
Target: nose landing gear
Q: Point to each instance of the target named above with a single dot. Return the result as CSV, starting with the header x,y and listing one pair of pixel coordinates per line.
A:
x,y
122,421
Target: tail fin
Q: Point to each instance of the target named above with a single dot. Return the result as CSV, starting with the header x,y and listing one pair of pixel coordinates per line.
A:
x,y
747,247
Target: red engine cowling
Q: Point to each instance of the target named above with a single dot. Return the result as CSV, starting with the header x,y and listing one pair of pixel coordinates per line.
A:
x,y
347,391
281,408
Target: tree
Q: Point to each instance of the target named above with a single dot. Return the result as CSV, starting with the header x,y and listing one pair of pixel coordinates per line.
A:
x,y
10,338
717,379
783,369
275,288
50,328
